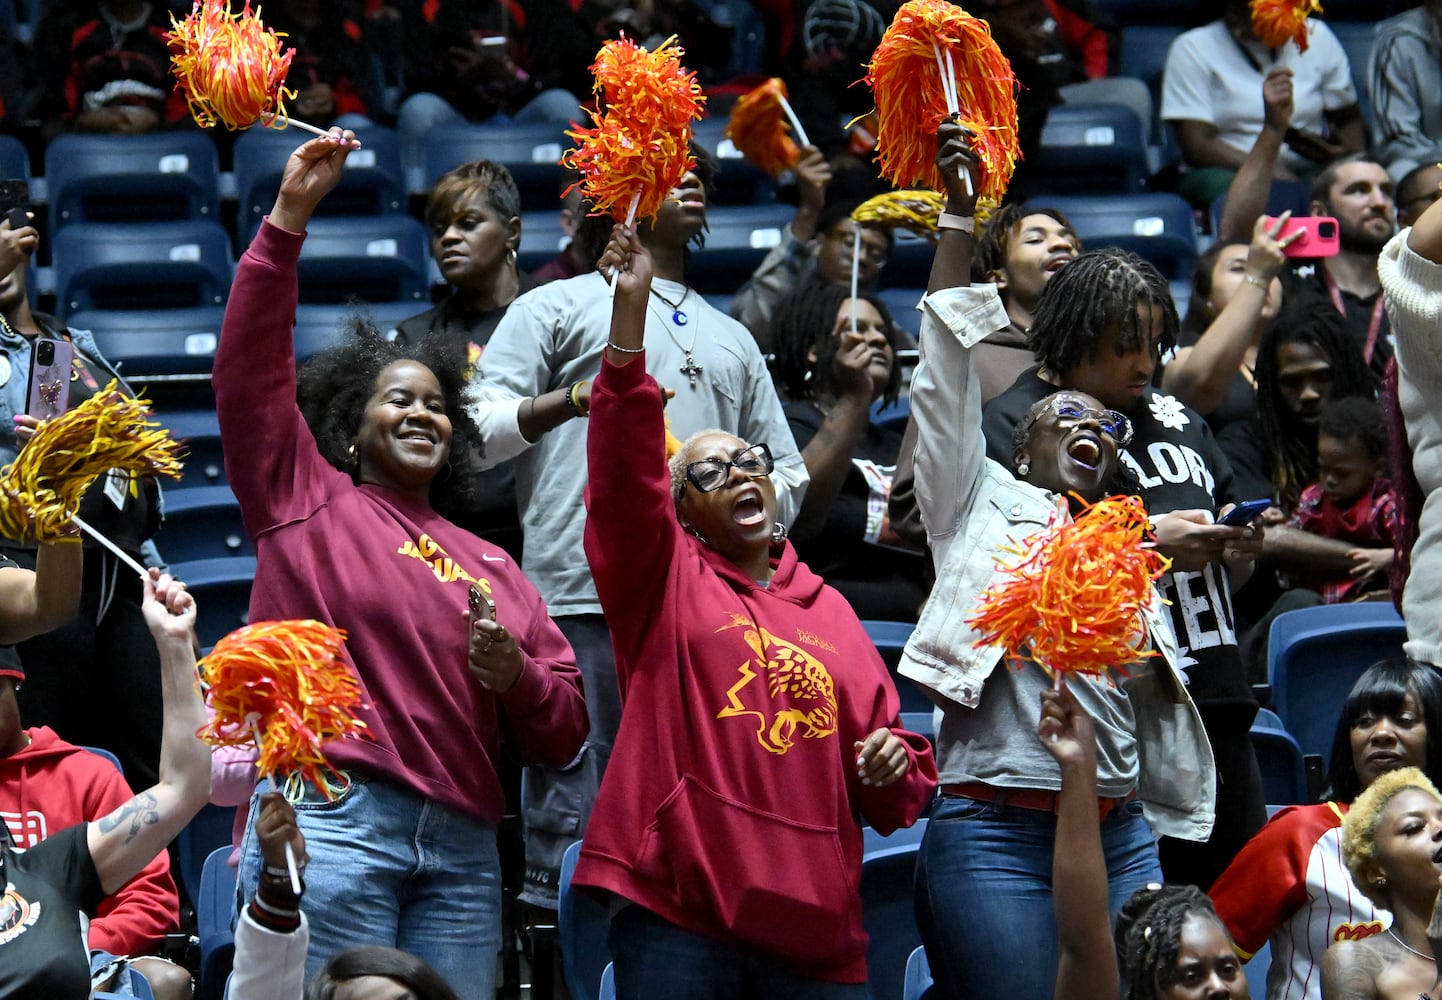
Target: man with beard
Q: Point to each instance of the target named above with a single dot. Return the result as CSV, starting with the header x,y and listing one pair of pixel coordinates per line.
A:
x,y
1100,326
1357,192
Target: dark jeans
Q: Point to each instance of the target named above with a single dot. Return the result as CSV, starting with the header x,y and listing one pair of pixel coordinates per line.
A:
x,y
655,958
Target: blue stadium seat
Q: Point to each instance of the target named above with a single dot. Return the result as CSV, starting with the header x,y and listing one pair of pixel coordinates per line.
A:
x,y
207,832
213,911
145,342
1093,148
531,151
1356,38
1158,227
163,176
918,975
199,431
608,983
738,180
1284,772
1143,55
1293,196
202,523
102,752
141,265
888,907
321,327
902,303
890,639
1315,655
584,928
371,258
894,415
738,237
541,239
14,158
222,592
373,182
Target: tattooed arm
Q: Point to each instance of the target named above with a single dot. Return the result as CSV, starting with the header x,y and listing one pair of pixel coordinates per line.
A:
x,y
1350,970
123,842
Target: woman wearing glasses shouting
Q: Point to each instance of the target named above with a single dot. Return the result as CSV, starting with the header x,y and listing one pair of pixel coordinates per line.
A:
x,y
986,869
758,725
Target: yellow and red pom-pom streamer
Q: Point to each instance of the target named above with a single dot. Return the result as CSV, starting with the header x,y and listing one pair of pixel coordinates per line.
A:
x,y
759,128
914,209
1074,599
286,687
230,67
40,491
637,148
934,61
1278,21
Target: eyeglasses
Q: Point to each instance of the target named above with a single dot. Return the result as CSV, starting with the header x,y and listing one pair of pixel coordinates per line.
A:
x,y
1073,411
710,474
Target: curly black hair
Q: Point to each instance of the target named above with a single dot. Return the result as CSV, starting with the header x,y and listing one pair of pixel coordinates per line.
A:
x,y
1148,935
1004,226
1099,291
803,325
332,389
1355,418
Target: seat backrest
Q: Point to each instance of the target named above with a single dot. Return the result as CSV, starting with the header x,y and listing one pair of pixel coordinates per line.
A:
x,y
1315,655
213,911
738,180
144,342
918,975
142,265
162,176
890,639
222,590
888,910
1284,772
584,926
738,238
102,752
14,158
372,183
202,522
1093,148
1356,38
199,432
531,151
1159,227
371,258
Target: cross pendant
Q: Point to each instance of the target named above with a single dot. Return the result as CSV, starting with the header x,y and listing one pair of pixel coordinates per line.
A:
x,y
691,369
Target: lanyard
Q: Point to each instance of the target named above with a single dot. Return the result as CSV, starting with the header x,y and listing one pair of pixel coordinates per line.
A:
x,y
1372,327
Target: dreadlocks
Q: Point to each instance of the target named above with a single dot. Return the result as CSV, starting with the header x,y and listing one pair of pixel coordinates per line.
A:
x,y
332,389
1100,291
1291,443
1148,935
803,330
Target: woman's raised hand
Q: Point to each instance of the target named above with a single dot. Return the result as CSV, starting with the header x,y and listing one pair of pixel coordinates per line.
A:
x,y
953,156
1267,254
310,174
626,262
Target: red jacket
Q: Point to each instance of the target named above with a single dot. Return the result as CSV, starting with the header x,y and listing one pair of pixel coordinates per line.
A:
x,y
51,785
731,805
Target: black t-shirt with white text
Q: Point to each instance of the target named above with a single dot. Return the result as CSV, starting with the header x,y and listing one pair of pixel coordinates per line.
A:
x,y
42,948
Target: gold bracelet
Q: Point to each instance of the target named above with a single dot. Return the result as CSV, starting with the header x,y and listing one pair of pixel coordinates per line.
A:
x,y
573,400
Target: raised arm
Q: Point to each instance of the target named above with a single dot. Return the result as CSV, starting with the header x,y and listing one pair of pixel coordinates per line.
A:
x,y
1250,188
123,842
1086,957
35,602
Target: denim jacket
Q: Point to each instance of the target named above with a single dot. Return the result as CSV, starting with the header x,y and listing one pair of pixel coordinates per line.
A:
x,y
972,508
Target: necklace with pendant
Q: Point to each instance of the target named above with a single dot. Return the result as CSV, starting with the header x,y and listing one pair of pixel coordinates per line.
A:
x,y
679,318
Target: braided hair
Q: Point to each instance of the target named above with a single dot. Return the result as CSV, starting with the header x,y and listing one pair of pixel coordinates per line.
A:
x,y
333,387
1291,444
1100,291
804,325
1149,932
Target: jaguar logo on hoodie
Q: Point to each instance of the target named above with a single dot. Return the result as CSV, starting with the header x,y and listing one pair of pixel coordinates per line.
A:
x,y
782,687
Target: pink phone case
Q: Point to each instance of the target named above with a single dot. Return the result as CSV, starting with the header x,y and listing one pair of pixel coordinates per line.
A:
x,y
1319,237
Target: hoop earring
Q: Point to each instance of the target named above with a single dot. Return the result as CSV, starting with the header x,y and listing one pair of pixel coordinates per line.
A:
x,y
354,457
778,533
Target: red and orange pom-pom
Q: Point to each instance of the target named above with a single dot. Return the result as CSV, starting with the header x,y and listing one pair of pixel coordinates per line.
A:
x,y
759,129
638,146
40,491
1277,21
231,67
1074,600
291,679
910,101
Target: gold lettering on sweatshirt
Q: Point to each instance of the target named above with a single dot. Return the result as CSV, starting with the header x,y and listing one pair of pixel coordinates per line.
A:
x,y
782,687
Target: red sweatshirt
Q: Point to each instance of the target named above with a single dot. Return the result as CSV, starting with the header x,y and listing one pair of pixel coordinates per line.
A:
x,y
731,803
50,785
389,570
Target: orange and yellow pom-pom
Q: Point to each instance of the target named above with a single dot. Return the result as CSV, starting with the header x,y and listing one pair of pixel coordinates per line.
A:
x,y
40,491
914,209
230,67
291,680
1074,599
1278,21
637,147
910,101
760,130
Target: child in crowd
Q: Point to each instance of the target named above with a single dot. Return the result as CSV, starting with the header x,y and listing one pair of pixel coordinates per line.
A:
x,y
1352,500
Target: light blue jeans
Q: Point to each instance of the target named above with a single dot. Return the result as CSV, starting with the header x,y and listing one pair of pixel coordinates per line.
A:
x,y
389,867
983,886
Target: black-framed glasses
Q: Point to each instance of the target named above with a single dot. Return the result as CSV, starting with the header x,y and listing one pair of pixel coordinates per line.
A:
x,y
710,474
1072,410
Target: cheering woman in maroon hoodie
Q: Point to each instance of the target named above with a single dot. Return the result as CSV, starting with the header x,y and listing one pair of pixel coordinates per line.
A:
x,y
759,723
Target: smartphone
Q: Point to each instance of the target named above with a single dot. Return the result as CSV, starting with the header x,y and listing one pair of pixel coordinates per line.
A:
x,y
49,394
13,195
18,218
481,605
1245,513
1319,236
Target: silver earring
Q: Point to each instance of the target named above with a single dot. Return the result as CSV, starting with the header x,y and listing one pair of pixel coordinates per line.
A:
x,y
1023,469
778,533
511,256
1381,883
353,456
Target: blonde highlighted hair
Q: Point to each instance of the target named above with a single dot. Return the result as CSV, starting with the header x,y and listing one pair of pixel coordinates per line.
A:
x,y
1359,827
